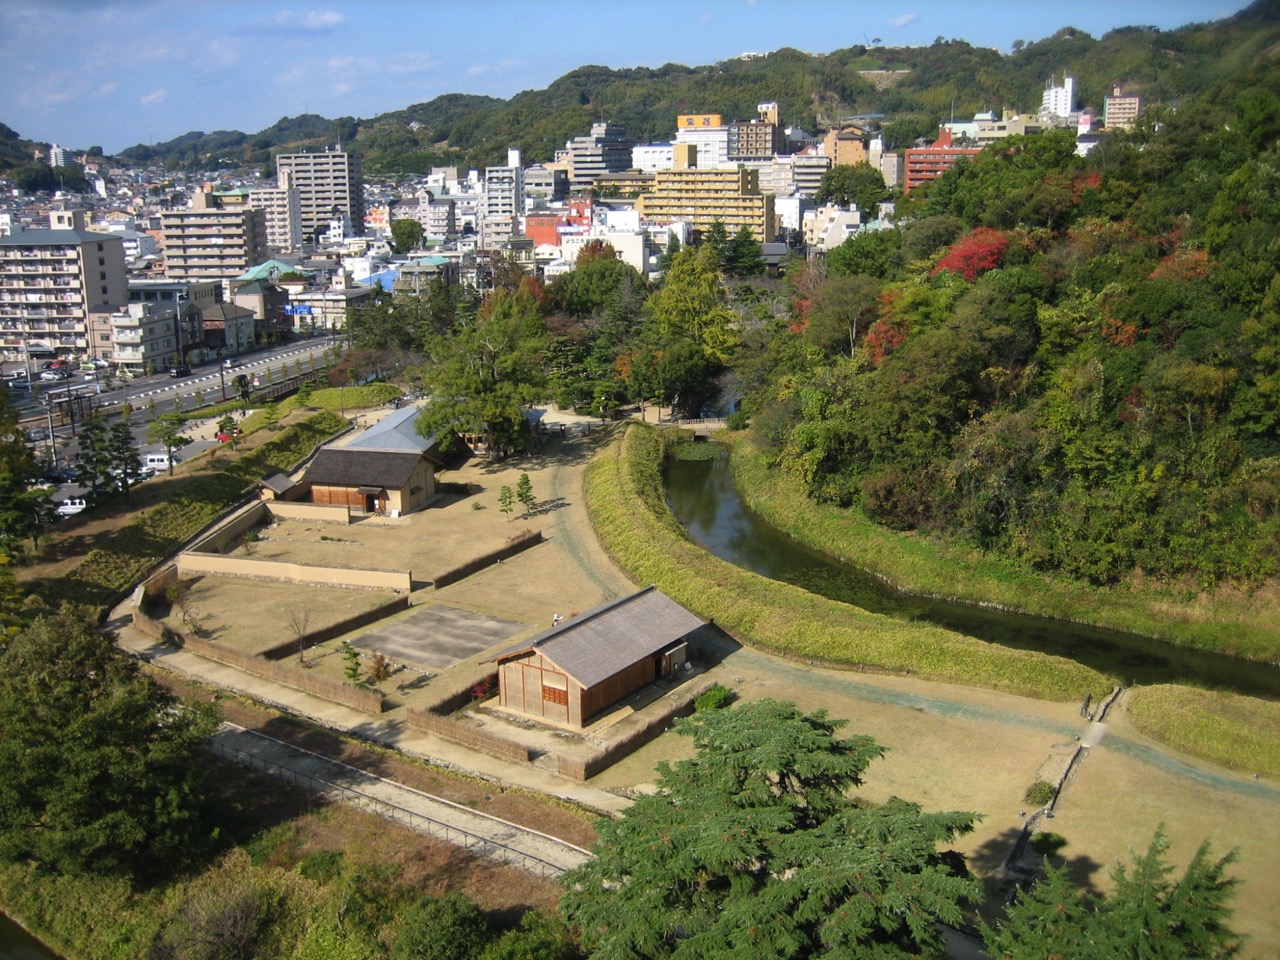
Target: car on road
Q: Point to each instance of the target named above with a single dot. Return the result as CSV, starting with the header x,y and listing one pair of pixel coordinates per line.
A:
x,y
181,370
37,435
71,506
54,375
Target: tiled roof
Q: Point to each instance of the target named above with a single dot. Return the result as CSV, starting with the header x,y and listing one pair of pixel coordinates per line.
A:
x,y
396,431
597,644
343,467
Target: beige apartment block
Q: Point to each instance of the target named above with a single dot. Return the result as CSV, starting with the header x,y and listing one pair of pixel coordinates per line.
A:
x,y
701,197
50,280
214,239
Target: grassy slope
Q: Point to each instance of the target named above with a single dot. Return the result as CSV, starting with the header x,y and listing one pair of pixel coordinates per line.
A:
x,y
624,493
1227,622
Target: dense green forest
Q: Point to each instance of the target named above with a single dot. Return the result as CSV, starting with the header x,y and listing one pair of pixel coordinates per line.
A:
x,y
929,84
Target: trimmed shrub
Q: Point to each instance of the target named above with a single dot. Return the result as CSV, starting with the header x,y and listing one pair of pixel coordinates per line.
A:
x,y
1040,793
715,698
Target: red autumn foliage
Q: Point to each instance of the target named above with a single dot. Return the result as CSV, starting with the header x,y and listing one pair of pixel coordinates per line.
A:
x,y
1182,265
1117,332
978,251
883,338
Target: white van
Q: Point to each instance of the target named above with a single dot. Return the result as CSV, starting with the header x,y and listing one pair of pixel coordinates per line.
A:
x,y
71,506
157,462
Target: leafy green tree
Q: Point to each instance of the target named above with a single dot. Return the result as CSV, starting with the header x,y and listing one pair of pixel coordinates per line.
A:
x,y
449,928
100,762
406,234
876,253
524,493
122,453
688,305
753,848
537,937
860,185
842,308
24,512
167,431
1150,914
481,374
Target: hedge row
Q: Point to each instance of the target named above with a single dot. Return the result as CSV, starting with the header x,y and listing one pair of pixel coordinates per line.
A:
x,y
628,509
1232,730
471,737
109,571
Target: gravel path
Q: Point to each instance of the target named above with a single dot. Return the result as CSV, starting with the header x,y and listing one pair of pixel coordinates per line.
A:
x,y
485,835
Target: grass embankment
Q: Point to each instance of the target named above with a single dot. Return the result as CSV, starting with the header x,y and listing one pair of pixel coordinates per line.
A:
x,y
1242,733
625,499
124,557
1228,621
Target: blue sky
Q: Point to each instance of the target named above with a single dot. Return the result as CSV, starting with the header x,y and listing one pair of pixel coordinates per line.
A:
x,y
85,72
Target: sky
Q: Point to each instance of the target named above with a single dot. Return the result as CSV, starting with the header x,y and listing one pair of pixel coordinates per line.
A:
x,y
81,73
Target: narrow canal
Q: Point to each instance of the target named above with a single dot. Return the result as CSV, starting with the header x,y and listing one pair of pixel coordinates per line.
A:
x,y
17,944
703,498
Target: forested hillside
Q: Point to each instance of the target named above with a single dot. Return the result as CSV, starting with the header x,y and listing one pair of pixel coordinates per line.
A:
x,y
1071,362
812,91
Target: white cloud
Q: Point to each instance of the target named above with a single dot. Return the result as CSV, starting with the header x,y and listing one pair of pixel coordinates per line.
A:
x,y
108,88
291,21
475,71
154,97
903,20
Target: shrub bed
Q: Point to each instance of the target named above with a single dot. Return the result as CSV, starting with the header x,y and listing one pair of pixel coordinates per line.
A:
x,y
1235,731
628,509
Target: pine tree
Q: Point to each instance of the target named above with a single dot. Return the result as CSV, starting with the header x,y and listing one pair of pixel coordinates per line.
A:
x,y
1148,915
94,471
754,849
122,450
506,500
743,257
524,493
717,240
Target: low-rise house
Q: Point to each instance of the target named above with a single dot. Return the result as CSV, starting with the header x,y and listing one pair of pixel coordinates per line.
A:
x,y
583,665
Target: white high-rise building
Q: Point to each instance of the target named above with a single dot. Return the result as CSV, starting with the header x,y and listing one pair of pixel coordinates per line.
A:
x,y
1058,101
503,201
59,156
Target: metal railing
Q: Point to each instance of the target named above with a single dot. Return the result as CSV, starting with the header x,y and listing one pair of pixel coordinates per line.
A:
x,y
484,846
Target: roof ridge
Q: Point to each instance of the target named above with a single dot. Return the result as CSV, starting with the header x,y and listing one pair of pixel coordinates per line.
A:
x,y
606,607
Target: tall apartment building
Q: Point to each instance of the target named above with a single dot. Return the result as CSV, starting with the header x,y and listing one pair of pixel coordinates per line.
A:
x,y
503,202
1120,109
329,184
701,197
708,134
545,183
845,146
49,282
797,174
605,149
760,138
59,156
219,237
1058,100
282,207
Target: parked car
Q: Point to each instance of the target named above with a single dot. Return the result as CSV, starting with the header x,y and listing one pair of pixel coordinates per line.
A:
x,y
54,375
71,506
61,476
181,370
225,436
37,435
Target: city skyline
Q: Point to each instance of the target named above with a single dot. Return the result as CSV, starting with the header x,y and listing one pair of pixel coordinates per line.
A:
x,y
81,73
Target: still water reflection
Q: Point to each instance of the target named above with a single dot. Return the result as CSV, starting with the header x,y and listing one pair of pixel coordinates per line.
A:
x,y
17,944
702,496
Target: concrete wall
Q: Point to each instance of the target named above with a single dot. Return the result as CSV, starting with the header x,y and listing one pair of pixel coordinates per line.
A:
x,y
291,510
193,563
220,538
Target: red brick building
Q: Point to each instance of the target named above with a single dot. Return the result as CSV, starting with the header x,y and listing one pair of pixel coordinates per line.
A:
x,y
929,163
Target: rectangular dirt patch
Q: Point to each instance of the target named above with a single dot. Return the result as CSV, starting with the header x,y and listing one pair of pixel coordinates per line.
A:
x,y
436,637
